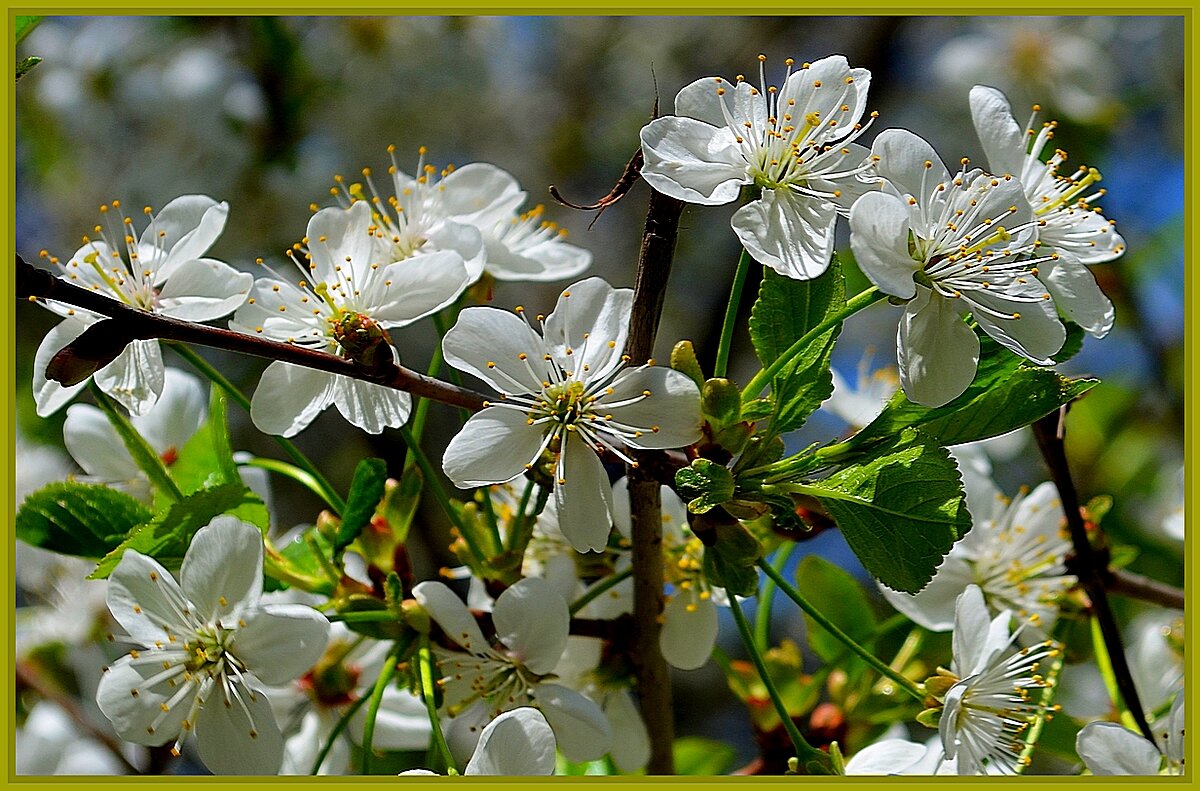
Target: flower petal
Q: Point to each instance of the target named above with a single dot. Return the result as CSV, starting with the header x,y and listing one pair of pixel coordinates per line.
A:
x,y
692,161
222,571
517,743
280,642
580,727
583,497
488,343
879,228
588,327
668,418
135,377
203,289
133,706
185,228
1034,331
532,620
413,288
789,232
479,194
934,606
631,741
701,101
402,722
177,415
242,738
448,612
689,630
144,598
94,444
1078,295
937,352
341,239
1002,139
903,158
494,446
552,259
369,406
49,395
289,397
1110,749
888,757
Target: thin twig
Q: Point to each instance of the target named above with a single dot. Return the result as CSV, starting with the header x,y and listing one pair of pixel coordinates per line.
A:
x,y
1050,433
633,171
1137,586
102,342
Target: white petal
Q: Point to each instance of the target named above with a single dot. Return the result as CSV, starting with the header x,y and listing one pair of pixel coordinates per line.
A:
x,y
186,227
888,757
464,240
204,289
518,742
281,642
222,570
789,232
822,88
879,228
232,743
479,193
144,597
1076,292
902,161
692,161
583,497
1002,139
94,444
494,446
133,714
532,620
487,343
1036,333
552,259
402,722
49,395
937,352
594,308
289,397
688,636
933,607
668,418
340,238
1109,749
580,727
135,378
631,740
448,612
971,626
177,415
369,406
416,287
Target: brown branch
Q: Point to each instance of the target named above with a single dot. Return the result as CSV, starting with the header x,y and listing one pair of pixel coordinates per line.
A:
x,y
1137,586
28,676
633,171
653,674
1050,432
103,341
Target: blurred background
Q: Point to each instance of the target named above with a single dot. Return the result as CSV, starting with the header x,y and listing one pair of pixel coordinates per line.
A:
x,y
262,112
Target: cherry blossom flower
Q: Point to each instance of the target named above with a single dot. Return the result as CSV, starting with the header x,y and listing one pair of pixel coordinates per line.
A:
x,y
531,623
1111,749
564,391
951,246
208,645
162,271
795,143
1068,224
516,743
350,289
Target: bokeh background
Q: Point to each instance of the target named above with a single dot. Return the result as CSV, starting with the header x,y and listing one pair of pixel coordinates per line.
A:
x,y
262,112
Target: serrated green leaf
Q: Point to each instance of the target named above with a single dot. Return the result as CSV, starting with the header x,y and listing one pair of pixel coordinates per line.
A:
x,y
695,755
786,310
366,490
167,535
1006,394
709,483
86,520
23,26
901,509
730,561
840,599
206,460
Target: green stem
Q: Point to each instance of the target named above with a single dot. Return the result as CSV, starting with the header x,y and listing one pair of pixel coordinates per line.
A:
x,y
731,310
766,375
762,617
146,458
518,523
844,638
525,524
439,493
369,616
326,565
594,592
1104,664
287,470
428,695
335,733
324,488
489,513
386,673
804,751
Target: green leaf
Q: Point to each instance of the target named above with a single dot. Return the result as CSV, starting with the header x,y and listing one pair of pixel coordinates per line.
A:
x,y
730,561
206,460
80,519
26,65
900,509
23,26
786,310
366,490
695,755
300,561
840,599
1073,343
168,534
1007,393
709,483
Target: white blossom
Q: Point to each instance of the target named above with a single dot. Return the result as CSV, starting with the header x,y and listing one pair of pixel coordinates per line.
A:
x,y
516,743
1111,749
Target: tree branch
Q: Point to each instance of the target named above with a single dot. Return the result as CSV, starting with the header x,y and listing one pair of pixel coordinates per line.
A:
x,y
1049,432
1137,586
653,675
103,341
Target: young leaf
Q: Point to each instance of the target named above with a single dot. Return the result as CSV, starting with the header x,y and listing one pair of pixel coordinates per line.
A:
x,y
80,519
900,509
166,536
23,26
840,599
708,482
366,490
730,561
206,460
786,310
